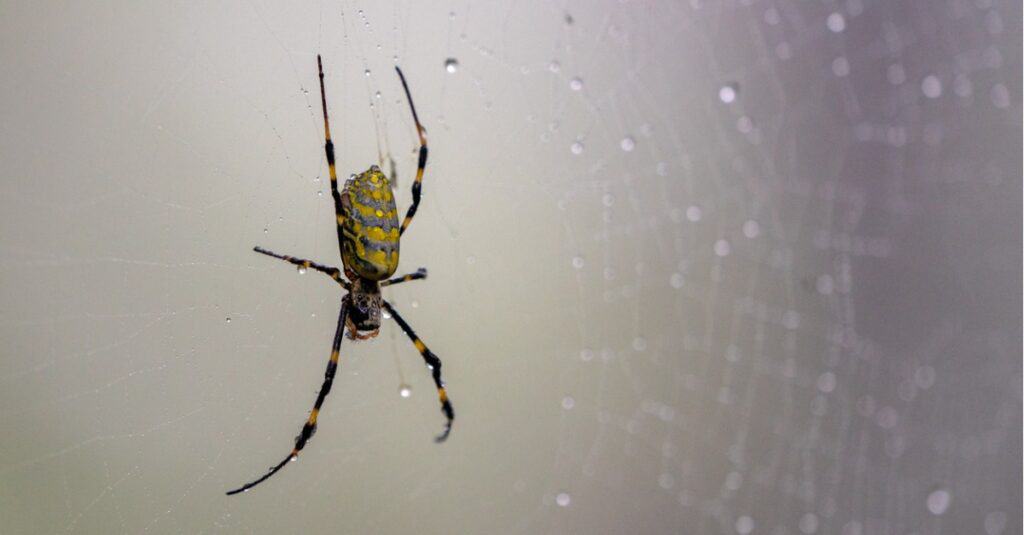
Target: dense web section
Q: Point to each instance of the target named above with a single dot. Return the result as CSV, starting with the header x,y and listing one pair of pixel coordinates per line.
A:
x,y
701,267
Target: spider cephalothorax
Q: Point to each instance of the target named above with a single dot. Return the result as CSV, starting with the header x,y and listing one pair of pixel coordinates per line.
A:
x,y
368,234
364,310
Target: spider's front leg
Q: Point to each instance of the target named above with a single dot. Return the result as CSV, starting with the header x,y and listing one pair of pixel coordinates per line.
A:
x,y
330,271
420,273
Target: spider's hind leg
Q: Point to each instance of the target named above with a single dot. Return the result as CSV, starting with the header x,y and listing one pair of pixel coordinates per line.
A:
x,y
434,365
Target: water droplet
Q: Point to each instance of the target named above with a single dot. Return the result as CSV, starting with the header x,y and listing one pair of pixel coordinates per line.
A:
x,y
301,270
607,199
722,248
377,95
627,143
791,319
320,193
639,343
414,304
586,355
824,284
836,22
568,402
265,230
228,319
554,66
809,523
895,74
995,523
840,66
405,391
577,262
576,84
728,92
931,86
751,229
693,213
938,502
385,314
366,72
451,65
733,481
676,280
1000,96
563,499
827,382
576,148
744,525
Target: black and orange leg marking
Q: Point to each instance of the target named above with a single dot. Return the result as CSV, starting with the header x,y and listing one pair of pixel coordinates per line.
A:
x,y
417,184
329,149
310,427
331,272
434,365
420,273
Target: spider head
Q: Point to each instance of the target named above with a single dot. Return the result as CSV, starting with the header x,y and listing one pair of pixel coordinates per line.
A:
x,y
364,307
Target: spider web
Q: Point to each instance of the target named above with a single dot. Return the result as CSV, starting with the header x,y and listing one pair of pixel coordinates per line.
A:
x,y
700,267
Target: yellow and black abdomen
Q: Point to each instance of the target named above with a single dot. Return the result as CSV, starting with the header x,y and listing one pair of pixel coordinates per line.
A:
x,y
370,226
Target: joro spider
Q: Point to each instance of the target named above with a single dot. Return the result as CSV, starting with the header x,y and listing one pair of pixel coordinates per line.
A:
x,y
368,239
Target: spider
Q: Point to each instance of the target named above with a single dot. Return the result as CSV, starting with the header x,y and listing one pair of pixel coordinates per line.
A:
x,y
368,239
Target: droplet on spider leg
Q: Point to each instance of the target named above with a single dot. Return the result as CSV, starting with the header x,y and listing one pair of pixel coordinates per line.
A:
x,y
451,65
405,391
301,270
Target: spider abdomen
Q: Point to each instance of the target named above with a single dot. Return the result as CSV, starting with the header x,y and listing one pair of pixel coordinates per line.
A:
x,y
370,226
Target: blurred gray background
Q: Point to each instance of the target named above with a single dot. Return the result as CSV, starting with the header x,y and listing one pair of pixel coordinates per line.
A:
x,y
695,267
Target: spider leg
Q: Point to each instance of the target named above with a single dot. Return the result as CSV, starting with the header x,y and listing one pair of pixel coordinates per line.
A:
x,y
339,215
310,427
331,272
434,365
420,273
422,164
